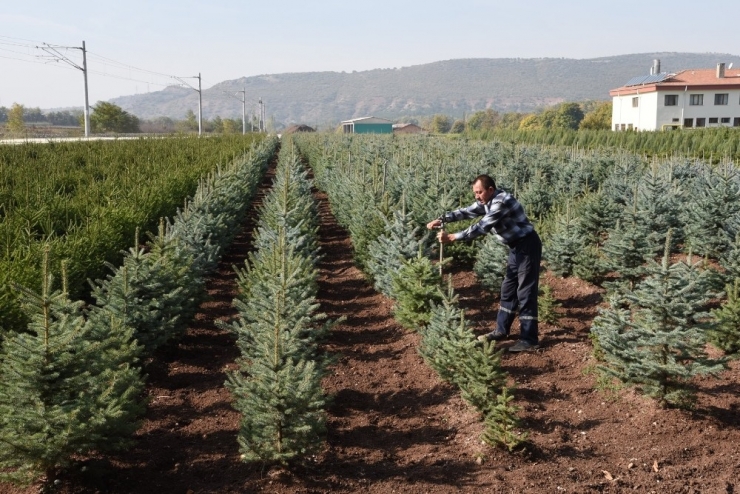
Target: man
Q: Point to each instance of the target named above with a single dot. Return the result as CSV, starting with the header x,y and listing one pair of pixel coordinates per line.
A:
x,y
504,217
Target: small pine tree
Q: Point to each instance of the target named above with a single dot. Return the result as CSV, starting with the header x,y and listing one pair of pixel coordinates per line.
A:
x,y
714,204
537,196
502,423
450,348
596,215
148,294
481,376
657,204
546,305
447,339
565,243
67,387
590,264
730,261
490,264
416,285
387,252
657,341
725,333
626,250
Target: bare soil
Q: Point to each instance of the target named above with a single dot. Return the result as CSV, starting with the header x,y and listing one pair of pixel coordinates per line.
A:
x,y
394,427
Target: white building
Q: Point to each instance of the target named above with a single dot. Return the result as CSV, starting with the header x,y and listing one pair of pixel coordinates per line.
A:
x,y
688,99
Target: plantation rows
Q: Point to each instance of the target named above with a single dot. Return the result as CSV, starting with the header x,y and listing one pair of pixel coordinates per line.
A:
x,y
661,236
72,382
710,144
612,219
86,199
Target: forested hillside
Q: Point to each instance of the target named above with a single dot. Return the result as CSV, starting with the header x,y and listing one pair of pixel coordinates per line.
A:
x,y
452,87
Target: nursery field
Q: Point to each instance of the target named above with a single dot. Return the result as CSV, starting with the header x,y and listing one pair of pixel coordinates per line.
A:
x,y
85,201
393,424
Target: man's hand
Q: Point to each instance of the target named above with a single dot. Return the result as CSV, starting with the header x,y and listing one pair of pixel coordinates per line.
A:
x,y
445,238
434,224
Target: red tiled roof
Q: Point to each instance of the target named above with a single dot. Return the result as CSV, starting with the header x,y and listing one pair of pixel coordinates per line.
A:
x,y
693,78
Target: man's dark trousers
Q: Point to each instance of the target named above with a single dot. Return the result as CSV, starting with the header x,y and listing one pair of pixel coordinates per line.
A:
x,y
520,286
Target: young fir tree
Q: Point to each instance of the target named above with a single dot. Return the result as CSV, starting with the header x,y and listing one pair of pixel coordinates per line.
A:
x,y
416,285
564,244
657,342
490,264
725,332
626,251
657,205
146,293
67,387
711,210
387,253
596,214
277,387
730,261
449,346
447,339
502,423
538,195
546,305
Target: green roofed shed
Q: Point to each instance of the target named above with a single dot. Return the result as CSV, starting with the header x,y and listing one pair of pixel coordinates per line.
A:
x,y
367,125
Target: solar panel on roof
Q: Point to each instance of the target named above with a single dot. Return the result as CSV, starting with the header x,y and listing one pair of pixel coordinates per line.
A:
x,y
648,79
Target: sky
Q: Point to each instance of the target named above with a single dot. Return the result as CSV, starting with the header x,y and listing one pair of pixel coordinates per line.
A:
x,y
137,46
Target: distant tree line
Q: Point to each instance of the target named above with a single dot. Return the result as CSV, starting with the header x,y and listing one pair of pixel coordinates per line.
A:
x,y
35,115
110,118
592,115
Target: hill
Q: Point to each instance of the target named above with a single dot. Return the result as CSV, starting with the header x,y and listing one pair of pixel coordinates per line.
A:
x,y
451,87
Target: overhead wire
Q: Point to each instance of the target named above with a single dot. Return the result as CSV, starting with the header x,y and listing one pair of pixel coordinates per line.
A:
x,y
46,59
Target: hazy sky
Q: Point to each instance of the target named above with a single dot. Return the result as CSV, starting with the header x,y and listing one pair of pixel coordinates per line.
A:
x,y
229,39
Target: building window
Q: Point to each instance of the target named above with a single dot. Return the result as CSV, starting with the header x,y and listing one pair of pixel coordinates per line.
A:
x,y
701,122
736,122
713,120
725,120
674,120
696,100
616,126
721,99
635,101
629,126
688,122
624,127
671,100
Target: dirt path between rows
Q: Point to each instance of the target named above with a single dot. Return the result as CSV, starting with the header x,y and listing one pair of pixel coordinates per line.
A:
x,y
394,427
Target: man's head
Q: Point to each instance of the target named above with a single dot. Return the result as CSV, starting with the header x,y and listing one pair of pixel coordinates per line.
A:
x,y
484,188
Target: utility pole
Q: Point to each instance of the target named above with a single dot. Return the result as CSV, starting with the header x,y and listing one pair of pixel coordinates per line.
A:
x,y
244,110
57,56
261,122
200,97
87,101
200,107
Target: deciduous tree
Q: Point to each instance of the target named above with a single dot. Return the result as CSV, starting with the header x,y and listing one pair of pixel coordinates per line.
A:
x,y
107,117
600,118
16,124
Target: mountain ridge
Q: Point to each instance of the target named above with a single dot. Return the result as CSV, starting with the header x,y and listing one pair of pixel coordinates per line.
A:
x,y
452,87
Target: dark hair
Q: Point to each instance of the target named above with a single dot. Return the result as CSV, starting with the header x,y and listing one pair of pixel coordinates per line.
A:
x,y
485,180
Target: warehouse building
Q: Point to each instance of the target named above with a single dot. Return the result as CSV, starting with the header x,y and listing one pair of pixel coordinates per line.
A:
x,y
367,125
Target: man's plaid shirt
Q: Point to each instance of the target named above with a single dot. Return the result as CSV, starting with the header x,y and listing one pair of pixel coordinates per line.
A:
x,y
502,214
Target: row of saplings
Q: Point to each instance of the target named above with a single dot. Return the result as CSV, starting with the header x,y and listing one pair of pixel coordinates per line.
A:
x,y
72,384
277,386
398,261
